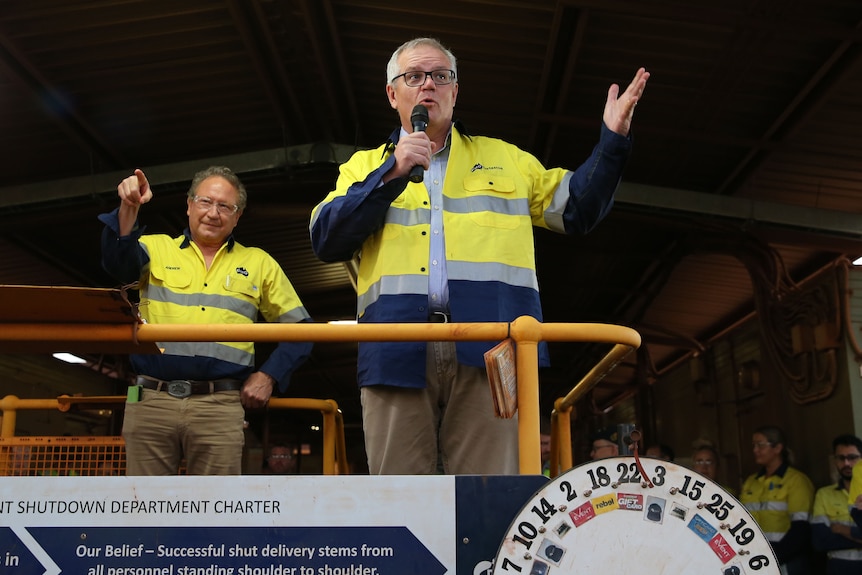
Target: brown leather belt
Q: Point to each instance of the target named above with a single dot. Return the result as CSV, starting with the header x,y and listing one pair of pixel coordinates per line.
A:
x,y
185,387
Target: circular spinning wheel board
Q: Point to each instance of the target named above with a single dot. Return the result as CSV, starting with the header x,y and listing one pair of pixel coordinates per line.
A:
x,y
604,517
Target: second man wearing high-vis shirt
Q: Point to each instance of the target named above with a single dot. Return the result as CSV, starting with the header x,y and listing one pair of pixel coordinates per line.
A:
x,y
456,247
833,532
187,402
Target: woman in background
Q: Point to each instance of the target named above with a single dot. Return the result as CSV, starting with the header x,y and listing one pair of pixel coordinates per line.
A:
x,y
780,497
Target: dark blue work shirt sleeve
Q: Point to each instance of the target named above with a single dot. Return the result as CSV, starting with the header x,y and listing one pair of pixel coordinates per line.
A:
x,y
285,359
795,543
122,257
823,539
344,223
593,183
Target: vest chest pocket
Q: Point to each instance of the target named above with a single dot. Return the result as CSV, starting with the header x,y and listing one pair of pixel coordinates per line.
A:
x,y
174,278
165,297
239,284
492,201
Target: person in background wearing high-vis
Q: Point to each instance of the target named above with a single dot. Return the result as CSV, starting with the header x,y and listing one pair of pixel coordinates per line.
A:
x,y
188,401
832,530
457,246
780,498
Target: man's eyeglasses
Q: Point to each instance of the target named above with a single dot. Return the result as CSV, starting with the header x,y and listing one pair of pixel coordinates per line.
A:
x,y
704,462
848,458
416,78
205,204
760,444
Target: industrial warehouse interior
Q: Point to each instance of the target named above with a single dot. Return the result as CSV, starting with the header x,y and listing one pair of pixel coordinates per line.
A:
x,y
744,181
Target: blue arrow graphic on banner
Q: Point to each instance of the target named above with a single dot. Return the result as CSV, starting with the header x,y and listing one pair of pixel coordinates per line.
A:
x,y
222,551
21,554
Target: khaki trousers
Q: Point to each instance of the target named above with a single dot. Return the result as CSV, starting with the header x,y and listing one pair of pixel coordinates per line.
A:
x,y
207,430
449,424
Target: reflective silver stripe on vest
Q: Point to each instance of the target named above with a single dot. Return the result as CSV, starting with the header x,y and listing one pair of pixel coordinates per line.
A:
x,y
847,555
208,349
798,516
295,315
773,537
165,295
469,271
482,203
770,506
404,217
492,271
554,212
392,285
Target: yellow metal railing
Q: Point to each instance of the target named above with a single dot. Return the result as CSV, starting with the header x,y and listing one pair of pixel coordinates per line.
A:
x,y
561,426
526,331
106,455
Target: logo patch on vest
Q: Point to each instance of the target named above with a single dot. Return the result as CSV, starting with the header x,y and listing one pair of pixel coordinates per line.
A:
x,y
242,271
481,167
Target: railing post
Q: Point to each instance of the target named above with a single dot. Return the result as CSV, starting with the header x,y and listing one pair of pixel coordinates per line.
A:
x,y
562,429
329,441
10,415
527,332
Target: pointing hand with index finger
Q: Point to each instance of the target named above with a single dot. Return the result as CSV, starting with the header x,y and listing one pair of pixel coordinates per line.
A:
x,y
135,190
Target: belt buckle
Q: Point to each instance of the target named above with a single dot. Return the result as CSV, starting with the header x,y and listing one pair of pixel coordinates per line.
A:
x,y
180,388
439,317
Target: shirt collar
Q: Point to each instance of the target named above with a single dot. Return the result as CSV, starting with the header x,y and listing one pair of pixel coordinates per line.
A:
x,y
458,126
187,240
782,469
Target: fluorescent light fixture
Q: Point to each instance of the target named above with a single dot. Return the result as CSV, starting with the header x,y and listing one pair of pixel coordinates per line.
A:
x,y
69,358
858,261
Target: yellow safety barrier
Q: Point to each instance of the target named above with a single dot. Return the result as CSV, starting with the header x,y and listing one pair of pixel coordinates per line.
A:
x,y
561,426
72,456
526,331
105,455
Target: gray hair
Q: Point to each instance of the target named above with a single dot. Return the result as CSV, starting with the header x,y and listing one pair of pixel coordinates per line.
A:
x,y
392,68
222,172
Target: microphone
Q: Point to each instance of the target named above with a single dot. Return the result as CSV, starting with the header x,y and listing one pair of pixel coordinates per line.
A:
x,y
419,119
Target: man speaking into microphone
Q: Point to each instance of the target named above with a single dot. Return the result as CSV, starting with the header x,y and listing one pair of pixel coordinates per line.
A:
x,y
419,119
454,245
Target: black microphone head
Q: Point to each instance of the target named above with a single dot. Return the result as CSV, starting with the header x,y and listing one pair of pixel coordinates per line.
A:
x,y
419,117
